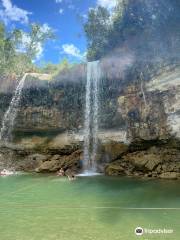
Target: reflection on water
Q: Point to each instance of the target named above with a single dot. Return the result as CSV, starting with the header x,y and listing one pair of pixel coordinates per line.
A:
x,y
47,207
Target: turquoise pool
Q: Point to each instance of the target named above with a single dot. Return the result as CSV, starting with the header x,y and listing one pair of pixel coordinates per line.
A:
x,y
45,207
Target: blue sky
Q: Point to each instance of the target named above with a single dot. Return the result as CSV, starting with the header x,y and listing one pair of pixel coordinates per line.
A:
x,y
66,17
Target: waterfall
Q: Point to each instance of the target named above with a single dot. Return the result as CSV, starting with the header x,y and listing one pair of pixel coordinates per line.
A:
x,y
91,116
142,90
11,113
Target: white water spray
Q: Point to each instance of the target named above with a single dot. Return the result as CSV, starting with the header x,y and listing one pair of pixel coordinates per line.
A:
x,y
11,113
91,124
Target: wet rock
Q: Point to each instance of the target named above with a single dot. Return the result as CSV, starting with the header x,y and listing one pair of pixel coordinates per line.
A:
x,y
169,175
49,166
143,160
44,156
114,150
115,169
70,173
38,157
150,163
57,162
31,162
171,166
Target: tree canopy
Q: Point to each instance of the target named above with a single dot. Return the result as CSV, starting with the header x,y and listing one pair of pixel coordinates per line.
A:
x,y
150,29
99,29
19,49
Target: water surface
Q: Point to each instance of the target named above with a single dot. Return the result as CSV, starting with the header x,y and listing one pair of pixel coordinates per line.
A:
x,y
44,207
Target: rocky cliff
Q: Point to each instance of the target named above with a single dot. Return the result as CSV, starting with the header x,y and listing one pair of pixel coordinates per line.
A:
x,y
139,125
152,113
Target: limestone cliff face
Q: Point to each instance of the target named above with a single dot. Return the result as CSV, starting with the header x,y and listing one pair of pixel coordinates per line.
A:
x,y
140,126
152,109
39,118
145,116
58,104
168,85
45,105
152,113
148,110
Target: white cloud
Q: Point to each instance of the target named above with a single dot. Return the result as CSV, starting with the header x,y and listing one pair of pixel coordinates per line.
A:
x,y
85,16
10,12
26,40
39,46
61,11
45,28
109,4
40,50
72,50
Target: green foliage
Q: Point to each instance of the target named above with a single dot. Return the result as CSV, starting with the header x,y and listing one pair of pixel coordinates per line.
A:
x,y
18,50
7,50
97,29
16,56
55,69
37,35
149,28
49,68
63,65
101,31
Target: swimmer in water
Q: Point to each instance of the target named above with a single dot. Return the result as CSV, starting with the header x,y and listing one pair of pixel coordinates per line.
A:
x,y
71,178
61,173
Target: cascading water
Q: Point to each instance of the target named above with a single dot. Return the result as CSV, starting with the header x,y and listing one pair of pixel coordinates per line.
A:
x,y
11,113
91,116
142,90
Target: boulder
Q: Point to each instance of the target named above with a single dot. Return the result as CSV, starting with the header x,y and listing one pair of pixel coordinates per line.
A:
x,y
49,166
115,169
169,175
57,162
31,162
154,162
143,160
70,173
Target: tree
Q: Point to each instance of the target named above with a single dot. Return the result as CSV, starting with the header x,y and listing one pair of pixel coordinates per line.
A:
x,y
56,69
103,29
19,49
7,49
149,29
37,37
97,30
49,68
